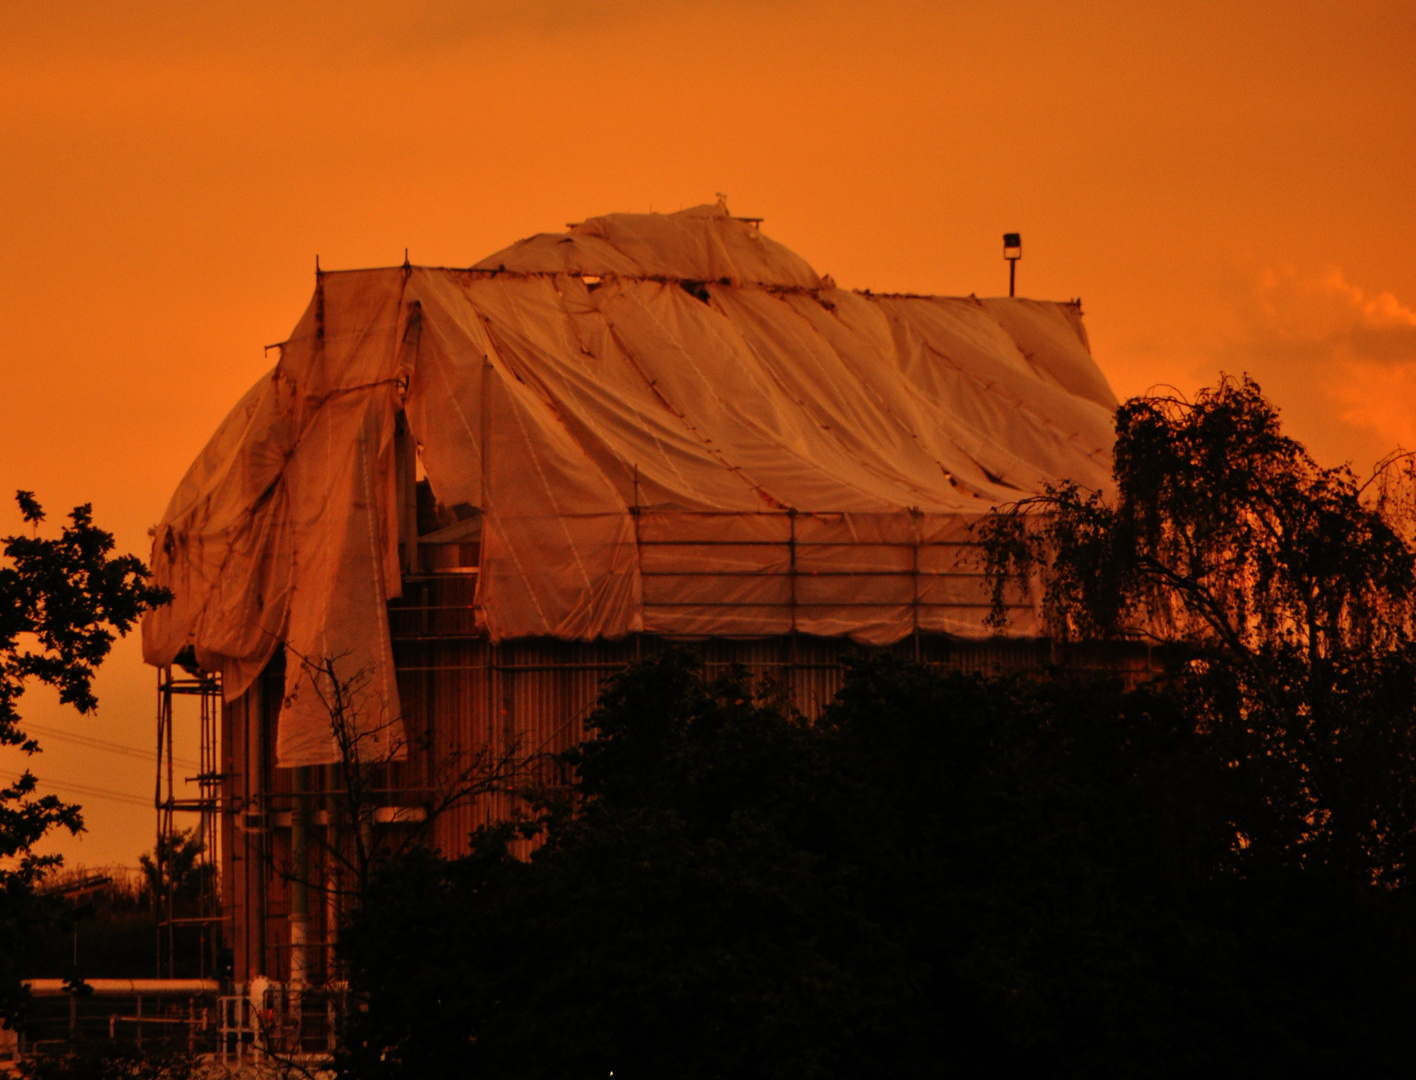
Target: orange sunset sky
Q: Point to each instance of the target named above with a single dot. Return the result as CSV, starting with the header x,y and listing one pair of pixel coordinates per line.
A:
x,y
1227,186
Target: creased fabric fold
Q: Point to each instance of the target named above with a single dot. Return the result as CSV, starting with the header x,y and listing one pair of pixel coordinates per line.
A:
x,y
653,423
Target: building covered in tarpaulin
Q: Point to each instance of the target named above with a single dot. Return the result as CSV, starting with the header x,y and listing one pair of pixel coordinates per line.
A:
x,y
464,496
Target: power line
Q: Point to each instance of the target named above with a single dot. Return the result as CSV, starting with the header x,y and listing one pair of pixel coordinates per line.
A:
x,y
67,786
104,745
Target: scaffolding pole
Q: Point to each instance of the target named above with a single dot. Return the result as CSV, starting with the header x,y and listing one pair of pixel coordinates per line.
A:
x,y
200,910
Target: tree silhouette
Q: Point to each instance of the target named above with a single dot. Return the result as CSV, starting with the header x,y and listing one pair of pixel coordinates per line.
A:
x,y
174,868
63,601
944,872
1282,597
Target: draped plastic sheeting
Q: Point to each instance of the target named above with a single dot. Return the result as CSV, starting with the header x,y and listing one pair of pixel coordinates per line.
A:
x,y
661,423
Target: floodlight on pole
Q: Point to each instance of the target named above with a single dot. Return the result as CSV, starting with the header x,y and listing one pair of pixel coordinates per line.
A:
x,y
1012,251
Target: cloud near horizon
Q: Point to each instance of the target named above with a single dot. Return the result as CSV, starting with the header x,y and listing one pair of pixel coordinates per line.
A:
x,y
1340,361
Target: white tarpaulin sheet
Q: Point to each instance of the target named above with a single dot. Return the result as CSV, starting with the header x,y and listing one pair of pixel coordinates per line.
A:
x,y
660,423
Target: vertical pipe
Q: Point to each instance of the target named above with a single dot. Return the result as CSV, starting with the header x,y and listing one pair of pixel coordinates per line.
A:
x,y
211,699
163,699
251,719
262,783
299,876
331,867
168,828
506,680
792,582
364,809
914,576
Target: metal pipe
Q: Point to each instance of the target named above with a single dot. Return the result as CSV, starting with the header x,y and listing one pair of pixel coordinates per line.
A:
x,y
331,781
127,987
299,877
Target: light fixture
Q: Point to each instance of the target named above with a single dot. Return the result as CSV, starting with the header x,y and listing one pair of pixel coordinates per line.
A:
x,y
1012,251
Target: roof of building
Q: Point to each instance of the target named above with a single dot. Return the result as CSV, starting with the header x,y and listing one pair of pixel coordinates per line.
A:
x,y
657,423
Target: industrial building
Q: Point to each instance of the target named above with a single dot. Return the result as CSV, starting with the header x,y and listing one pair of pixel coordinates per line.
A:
x,y
410,555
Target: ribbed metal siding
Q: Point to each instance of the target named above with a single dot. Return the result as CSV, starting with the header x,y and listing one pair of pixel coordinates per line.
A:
x,y
467,697
464,697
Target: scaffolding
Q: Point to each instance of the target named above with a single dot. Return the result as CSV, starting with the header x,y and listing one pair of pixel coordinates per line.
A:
x,y
188,901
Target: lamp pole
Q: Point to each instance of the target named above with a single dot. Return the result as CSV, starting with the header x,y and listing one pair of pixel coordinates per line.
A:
x,y
1012,251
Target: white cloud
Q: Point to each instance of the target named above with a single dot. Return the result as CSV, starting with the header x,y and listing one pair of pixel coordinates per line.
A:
x,y
1325,315
1339,360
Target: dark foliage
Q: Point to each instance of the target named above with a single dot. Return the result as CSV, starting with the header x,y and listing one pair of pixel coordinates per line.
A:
x,y
62,603
29,922
74,597
175,869
112,1059
103,931
943,873
1283,596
